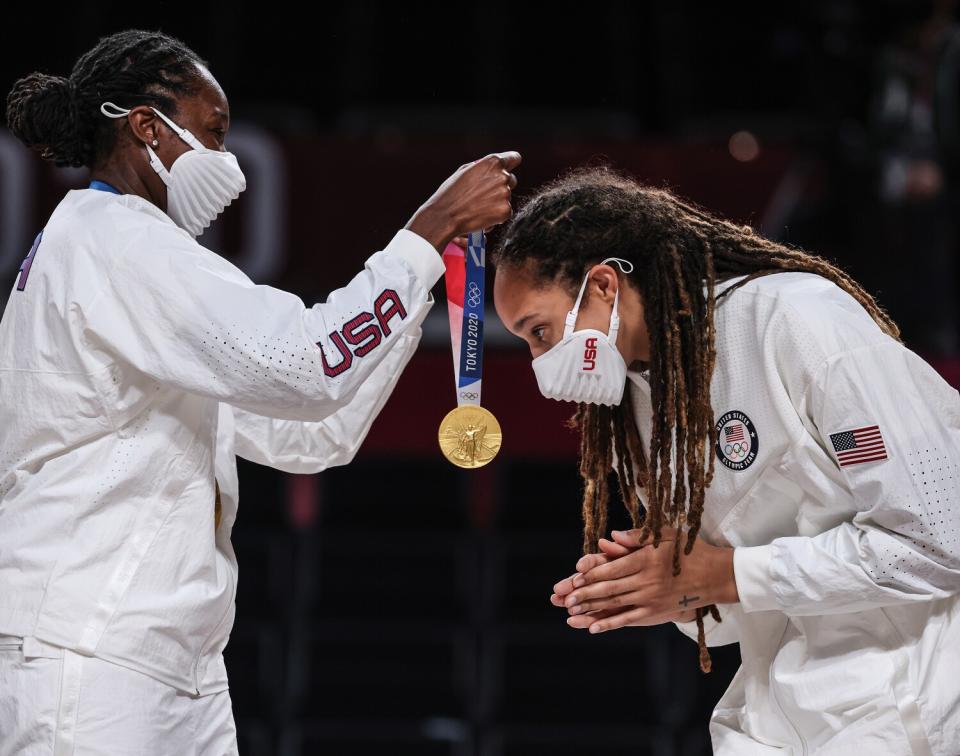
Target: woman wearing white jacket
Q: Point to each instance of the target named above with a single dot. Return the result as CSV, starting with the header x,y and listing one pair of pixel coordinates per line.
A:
x,y
791,467
134,364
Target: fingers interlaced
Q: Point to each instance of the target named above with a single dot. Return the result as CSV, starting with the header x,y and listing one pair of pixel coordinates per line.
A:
x,y
583,621
589,562
616,568
565,586
607,592
631,538
612,549
592,596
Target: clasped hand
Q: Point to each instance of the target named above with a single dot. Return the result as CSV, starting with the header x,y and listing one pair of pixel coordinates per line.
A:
x,y
629,583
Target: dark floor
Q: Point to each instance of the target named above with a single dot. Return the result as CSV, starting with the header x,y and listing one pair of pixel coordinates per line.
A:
x,y
412,618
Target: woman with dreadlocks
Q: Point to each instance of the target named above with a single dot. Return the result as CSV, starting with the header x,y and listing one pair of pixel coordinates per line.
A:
x,y
135,364
791,468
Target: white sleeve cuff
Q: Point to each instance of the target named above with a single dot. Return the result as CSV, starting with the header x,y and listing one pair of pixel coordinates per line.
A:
x,y
714,633
751,570
419,254
690,628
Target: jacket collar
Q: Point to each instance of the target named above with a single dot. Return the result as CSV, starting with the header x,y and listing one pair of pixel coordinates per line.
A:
x,y
641,378
133,201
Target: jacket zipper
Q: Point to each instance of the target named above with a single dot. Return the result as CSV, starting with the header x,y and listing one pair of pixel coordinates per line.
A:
x,y
203,648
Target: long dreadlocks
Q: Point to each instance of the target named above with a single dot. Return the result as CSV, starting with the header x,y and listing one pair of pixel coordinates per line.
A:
x,y
679,252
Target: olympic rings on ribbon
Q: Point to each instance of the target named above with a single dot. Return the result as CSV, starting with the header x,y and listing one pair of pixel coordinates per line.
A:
x,y
474,297
469,395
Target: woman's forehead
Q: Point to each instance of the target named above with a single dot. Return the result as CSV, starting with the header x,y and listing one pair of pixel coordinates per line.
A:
x,y
523,279
515,289
209,99
512,281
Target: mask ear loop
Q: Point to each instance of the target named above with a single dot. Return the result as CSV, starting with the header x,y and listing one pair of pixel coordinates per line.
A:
x,y
572,315
615,315
620,261
115,111
571,318
614,319
184,134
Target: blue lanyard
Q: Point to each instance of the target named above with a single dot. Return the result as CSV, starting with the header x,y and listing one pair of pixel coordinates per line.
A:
x,y
471,338
103,186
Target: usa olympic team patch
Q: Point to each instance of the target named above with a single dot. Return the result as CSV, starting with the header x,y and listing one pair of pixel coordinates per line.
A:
x,y
737,440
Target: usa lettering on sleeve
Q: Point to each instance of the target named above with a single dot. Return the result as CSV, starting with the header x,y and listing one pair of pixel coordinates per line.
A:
x,y
361,335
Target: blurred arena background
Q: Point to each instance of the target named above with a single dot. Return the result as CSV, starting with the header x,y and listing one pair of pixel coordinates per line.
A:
x,y
400,605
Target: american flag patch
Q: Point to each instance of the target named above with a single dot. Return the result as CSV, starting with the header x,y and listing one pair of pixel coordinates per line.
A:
x,y
858,445
734,432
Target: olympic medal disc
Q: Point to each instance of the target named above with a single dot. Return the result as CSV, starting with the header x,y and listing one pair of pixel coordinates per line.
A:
x,y
470,436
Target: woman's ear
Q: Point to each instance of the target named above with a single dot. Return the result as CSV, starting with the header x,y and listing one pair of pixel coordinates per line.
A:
x,y
144,124
604,282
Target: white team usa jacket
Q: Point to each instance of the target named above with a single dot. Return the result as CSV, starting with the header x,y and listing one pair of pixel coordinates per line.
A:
x,y
134,365
837,480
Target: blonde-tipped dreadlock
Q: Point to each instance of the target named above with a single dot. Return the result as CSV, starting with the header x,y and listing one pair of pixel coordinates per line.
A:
x,y
677,250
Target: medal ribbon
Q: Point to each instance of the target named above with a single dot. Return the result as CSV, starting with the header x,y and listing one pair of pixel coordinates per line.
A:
x,y
465,297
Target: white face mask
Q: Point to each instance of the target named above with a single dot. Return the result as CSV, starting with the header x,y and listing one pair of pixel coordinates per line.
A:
x,y
585,366
200,183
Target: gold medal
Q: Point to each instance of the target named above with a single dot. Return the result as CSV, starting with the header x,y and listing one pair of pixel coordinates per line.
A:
x,y
470,436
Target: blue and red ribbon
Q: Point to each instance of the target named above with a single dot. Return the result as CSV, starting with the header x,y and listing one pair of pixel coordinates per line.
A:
x,y
466,287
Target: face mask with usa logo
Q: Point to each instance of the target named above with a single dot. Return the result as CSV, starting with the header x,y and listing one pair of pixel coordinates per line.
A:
x,y
585,365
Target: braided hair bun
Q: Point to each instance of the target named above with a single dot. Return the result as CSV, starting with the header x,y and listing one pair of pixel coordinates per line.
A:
x,y
60,117
42,113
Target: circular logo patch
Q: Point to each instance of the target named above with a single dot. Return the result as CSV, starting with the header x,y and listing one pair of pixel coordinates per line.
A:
x,y
737,440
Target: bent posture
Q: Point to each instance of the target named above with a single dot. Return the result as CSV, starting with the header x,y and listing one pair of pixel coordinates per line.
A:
x,y
791,467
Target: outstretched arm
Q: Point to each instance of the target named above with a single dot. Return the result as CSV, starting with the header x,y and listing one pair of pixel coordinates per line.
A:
x,y
186,317
310,447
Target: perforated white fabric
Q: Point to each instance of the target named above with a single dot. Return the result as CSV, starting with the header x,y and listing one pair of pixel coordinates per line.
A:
x,y
842,562
125,350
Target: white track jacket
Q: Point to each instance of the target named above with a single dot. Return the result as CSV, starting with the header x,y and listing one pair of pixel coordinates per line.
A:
x,y
134,364
837,480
